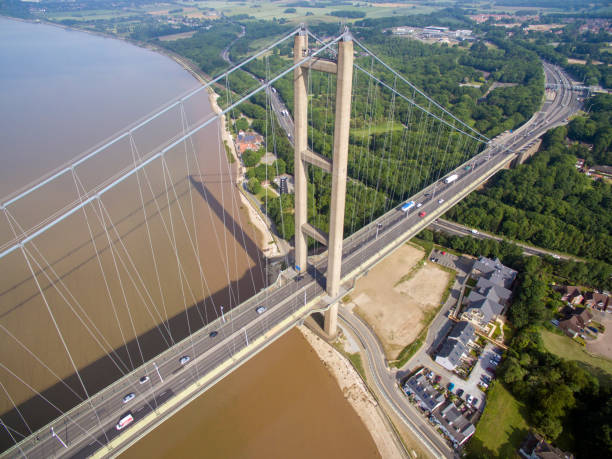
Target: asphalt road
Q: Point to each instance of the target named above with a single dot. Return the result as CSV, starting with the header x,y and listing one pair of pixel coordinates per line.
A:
x,y
457,229
387,386
91,425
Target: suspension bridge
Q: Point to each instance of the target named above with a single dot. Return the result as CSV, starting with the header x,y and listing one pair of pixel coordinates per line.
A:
x,y
375,134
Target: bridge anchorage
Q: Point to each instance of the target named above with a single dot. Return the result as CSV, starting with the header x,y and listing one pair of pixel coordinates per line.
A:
x,y
402,147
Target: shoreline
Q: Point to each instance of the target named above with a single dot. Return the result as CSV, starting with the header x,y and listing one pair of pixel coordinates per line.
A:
x,y
355,392
265,235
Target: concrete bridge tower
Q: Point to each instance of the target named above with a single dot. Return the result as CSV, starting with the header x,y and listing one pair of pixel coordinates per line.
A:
x,y
343,68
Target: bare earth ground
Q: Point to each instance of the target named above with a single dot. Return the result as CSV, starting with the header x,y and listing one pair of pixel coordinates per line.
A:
x,y
396,312
355,392
603,344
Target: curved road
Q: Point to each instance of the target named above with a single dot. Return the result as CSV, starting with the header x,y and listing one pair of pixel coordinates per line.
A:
x,y
91,425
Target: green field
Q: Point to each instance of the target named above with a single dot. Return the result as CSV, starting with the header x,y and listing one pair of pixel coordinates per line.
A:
x,y
269,10
566,348
502,427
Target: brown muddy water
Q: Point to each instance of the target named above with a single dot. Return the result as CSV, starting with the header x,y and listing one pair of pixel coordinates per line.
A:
x,y
282,403
138,269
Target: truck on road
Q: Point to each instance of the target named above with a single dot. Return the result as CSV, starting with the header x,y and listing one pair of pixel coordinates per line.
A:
x,y
407,206
451,178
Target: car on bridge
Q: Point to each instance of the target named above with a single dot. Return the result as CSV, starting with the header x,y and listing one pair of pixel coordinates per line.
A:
x,y
129,397
183,360
143,380
422,213
213,333
125,420
260,310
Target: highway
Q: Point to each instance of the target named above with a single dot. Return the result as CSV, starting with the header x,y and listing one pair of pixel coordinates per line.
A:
x,y
90,425
457,229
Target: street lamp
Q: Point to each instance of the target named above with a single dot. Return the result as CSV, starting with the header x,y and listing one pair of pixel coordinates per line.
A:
x,y
53,434
158,373
222,315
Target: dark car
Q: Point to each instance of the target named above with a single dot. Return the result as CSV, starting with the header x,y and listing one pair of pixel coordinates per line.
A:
x,y
459,392
213,333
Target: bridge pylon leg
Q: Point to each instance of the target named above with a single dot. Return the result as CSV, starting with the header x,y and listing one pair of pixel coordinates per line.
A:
x,y
300,138
339,176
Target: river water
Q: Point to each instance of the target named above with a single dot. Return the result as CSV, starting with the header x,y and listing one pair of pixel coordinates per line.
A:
x,y
152,259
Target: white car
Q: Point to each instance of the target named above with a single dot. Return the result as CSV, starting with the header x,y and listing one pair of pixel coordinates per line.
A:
x,y
183,360
129,397
474,231
143,380
469,398
260,310
419,204
440,201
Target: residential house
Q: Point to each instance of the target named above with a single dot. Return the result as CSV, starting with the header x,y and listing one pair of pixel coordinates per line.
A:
x,y
490,295
571,294
574,324
598,301
535,447
425,394
454,424
456,345
248,141
495,271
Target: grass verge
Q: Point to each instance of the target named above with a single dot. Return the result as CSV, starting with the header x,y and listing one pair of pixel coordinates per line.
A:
x,y
354,358
501,428
564,347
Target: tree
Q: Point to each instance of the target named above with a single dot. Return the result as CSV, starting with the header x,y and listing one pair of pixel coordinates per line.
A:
x,y
254,185
242,124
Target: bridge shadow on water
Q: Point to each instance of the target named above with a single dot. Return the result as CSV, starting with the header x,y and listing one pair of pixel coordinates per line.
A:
x,y
102,372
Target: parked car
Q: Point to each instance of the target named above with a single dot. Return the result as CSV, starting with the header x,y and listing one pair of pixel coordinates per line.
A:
x,y
491,370
437,379
469,398
459,392
451,386
475,402
430,375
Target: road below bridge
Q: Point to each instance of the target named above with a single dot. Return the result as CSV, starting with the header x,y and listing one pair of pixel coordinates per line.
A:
x,y
89,428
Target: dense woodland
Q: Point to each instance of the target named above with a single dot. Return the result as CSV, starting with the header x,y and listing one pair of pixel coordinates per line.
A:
x,y
546,202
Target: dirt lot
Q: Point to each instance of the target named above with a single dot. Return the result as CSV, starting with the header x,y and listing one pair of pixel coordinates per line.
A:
x,y
396,311
603,344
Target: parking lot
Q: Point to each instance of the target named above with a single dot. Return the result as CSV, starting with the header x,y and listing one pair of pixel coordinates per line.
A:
x,y
469,386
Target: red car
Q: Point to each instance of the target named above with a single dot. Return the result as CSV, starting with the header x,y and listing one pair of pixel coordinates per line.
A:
x,y
443,253
437,379
422,214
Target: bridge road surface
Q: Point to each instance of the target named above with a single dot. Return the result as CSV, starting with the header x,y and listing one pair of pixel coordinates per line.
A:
x,y
207,353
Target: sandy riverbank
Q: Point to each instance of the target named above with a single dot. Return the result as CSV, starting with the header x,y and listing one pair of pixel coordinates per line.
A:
x,y
267,242
356,393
